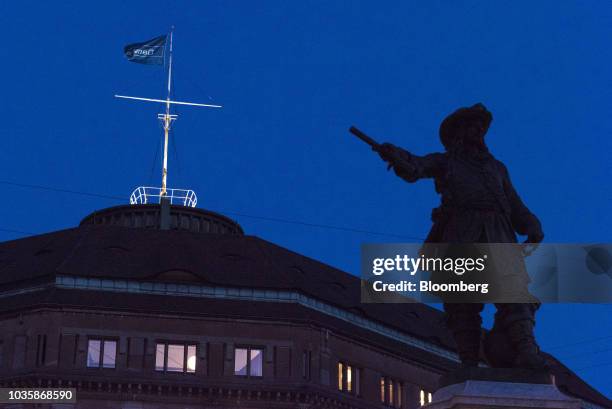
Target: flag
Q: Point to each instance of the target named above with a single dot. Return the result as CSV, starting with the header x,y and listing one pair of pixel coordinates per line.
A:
x,y
148,52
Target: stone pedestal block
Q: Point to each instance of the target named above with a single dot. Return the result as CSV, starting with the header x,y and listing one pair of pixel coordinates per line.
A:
x,y
501,395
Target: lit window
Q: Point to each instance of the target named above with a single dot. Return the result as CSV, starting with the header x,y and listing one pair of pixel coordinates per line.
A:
x,y
109,354
248,362
175,357
348,378
425,397
241,361
93,353
101,353
256,362
398,401
382,389
191,358
390,393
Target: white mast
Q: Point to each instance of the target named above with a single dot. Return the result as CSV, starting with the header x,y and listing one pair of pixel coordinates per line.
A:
x,y
140,194
167,118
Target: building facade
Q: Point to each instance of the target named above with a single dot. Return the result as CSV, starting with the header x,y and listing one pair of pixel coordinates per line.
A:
x,y
199,315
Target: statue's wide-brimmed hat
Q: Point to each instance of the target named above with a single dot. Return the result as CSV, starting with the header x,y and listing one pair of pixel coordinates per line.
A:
x,y
460,117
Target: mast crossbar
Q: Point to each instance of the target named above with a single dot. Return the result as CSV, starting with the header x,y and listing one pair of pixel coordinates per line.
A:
x,y
164,101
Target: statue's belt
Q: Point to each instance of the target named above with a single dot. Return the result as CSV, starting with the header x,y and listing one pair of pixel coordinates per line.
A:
x,y
442,212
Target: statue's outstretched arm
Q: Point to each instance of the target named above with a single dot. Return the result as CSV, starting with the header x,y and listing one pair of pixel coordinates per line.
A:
x,y
411,167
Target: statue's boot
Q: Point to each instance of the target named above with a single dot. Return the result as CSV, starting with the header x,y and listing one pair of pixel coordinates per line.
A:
x,y
468,346
464,321
527,350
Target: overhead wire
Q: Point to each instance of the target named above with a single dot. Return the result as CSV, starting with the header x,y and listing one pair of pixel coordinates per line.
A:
x,y
228,212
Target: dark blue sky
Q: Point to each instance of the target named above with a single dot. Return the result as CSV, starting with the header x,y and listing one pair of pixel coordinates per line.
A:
x,y
293,76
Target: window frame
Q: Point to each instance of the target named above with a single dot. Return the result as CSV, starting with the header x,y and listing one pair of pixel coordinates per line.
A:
x,y
102,340
307,364
185,345
41,350
19,353
249,348
391,392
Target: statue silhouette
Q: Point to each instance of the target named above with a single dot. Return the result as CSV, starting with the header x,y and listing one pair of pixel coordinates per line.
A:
x,y
478,205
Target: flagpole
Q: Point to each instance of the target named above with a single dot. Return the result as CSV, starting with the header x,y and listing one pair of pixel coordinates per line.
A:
x,y
167,120
147,53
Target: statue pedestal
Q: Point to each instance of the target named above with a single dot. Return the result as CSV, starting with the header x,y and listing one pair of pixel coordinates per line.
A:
x,y
501,395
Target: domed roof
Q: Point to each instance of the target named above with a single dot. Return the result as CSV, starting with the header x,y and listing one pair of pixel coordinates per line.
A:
x,y
150,215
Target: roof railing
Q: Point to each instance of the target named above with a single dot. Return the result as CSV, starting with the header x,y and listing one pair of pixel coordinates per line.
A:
x,y
151,195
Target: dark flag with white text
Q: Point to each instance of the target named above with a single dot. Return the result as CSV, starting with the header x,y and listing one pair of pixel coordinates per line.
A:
x,y
148,52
